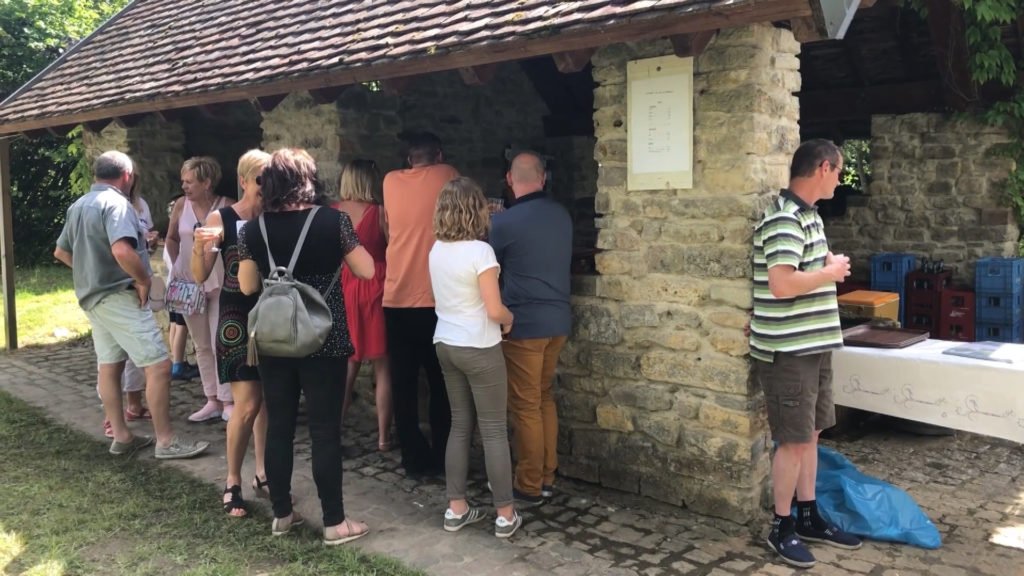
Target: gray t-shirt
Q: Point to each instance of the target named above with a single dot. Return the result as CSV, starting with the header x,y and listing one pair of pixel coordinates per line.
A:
x,y
94,223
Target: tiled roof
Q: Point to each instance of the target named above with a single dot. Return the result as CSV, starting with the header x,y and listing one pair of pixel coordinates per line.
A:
x,y
161,52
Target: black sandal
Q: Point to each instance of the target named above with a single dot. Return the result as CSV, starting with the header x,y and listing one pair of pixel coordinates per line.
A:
x,y
261,487
236,502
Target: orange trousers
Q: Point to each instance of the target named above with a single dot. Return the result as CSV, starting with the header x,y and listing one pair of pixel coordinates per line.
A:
x,y
531,367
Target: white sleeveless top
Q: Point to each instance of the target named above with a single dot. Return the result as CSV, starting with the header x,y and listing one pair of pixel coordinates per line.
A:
x,y
182,270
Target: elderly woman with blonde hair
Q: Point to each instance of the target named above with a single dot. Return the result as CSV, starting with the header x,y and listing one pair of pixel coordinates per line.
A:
x,y
199,178
250,416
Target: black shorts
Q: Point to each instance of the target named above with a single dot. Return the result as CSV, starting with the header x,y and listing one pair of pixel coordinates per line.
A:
x,y
177,318
798,395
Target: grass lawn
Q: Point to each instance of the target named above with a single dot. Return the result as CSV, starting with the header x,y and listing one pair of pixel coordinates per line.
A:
x,y
47,309
68,507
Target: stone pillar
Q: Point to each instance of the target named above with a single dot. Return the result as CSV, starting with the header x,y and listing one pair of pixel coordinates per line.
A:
x,y
157,147
937,190
656,393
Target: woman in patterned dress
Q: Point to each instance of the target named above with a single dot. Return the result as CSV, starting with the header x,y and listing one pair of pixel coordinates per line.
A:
x,y
250,414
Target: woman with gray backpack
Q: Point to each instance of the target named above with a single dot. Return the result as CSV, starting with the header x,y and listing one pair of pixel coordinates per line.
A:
x,y
298,336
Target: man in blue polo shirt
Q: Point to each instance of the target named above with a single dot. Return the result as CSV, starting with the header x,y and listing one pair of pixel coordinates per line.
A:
x,y
533,243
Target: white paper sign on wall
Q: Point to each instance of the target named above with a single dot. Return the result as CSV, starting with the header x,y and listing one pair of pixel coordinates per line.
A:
x,y
659,123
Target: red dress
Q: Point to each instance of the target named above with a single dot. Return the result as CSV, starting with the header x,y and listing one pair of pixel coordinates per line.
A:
x,y
364,298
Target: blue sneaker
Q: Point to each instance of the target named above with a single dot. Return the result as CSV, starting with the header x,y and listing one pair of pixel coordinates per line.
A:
x,y
792,551
831,535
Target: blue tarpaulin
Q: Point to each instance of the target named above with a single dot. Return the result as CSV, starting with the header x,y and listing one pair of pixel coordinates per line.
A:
x,y
869,507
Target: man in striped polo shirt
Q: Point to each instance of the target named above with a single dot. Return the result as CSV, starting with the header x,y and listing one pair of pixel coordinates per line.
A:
x,y
793,331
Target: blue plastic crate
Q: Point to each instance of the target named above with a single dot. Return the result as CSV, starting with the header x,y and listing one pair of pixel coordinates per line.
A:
x,y
999,307
1013,333
993,275
889,270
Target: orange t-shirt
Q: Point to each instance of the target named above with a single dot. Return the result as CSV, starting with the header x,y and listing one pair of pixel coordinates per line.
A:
x,y
409,199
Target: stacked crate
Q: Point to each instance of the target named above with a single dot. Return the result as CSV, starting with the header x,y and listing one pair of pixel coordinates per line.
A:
x,y
999,287
956,315
923,293
888,274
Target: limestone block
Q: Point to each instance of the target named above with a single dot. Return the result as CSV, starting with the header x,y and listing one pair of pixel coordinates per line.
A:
x,y
609,263
678,317
734,422
638,315
623,239
731,342
607,95
577,407
647,396
612,74
617,363
661,487
727,317
592,443
728,204
673,339
620,476
610,150
736,57
584,469
691,233
736,504
698,371
738,231
611,417
738,294
662,427
716,261
590,383
597,323
654,288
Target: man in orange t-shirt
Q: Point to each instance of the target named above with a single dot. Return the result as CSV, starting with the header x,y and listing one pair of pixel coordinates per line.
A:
x,y
410,196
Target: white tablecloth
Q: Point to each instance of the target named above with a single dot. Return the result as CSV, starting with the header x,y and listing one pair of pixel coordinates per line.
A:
x,y
923,384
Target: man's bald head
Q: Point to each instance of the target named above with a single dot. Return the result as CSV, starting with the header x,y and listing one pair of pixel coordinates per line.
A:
x,y
526,174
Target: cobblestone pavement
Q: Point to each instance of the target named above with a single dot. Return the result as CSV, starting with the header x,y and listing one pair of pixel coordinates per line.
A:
x,y
972,487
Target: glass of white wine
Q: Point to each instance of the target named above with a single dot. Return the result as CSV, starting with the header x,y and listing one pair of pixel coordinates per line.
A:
x,y
211,236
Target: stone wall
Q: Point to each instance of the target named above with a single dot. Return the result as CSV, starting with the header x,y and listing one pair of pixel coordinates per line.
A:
x,y
937,190
476,123
360,124
157,147
656,396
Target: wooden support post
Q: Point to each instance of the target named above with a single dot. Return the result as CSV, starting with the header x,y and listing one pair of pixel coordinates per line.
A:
x,y
692,45
806,30
7,248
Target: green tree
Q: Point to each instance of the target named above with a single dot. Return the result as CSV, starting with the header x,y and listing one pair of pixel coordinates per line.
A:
x,y
34,33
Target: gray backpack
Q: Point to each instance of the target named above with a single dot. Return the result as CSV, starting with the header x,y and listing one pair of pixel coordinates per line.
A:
x,y
291,318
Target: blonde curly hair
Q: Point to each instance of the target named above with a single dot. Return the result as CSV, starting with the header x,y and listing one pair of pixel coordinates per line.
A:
x,y
205,169
461,212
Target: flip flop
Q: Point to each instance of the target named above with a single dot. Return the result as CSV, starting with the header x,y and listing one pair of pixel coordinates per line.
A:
x,y
132,416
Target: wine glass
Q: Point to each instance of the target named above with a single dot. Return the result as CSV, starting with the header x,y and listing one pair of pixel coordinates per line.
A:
x,y
212,236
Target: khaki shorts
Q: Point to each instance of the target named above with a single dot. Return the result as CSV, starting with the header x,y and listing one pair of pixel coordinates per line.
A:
x,y
798,394
122,330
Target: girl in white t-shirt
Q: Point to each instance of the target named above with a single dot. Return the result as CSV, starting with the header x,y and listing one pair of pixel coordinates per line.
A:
x,y
470,323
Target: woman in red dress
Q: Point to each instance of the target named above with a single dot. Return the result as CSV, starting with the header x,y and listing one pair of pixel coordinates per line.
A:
x,y
360,182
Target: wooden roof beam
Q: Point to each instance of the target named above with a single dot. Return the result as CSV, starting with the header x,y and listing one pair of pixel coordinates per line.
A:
x,y
131,120
693,44
573,60
806,30
948,32
478,75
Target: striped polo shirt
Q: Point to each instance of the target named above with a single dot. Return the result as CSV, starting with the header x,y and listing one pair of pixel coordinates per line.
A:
x,y
791,233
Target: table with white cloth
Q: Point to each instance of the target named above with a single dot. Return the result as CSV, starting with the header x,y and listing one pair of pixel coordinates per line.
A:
x,y
921,383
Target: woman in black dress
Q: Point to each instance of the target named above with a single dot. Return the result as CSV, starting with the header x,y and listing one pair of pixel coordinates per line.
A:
x,y
289,193
250,415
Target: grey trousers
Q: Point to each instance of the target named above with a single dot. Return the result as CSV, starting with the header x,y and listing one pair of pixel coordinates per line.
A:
x,y
477,386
